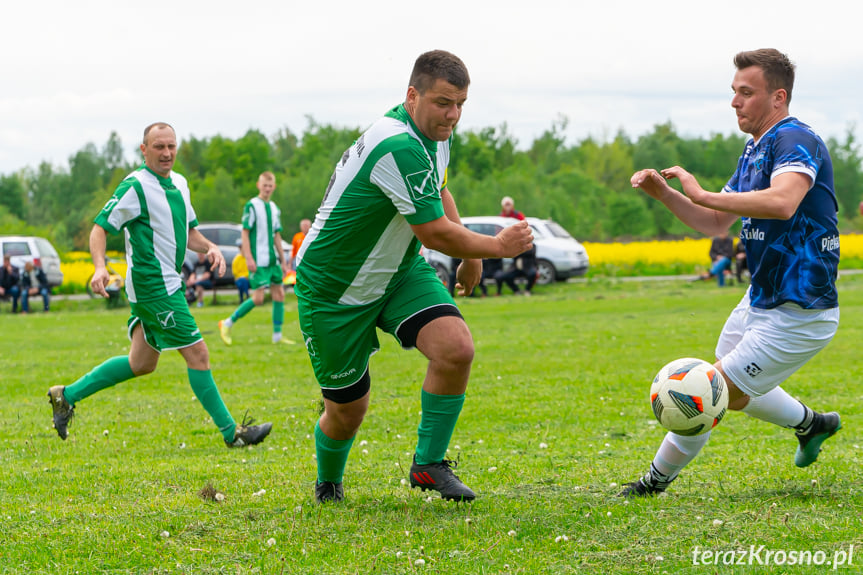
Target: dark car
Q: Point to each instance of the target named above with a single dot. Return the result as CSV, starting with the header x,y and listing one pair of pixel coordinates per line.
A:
x,y
228,237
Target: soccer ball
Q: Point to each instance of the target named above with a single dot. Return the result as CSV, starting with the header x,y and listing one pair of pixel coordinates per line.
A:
x,y
689,396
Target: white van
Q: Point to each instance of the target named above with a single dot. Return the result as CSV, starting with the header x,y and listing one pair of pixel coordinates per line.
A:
x,y
37,250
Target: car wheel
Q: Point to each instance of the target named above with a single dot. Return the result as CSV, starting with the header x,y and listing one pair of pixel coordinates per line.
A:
x,y
546,272
442,273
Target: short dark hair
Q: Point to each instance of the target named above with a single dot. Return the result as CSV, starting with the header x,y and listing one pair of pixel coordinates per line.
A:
x,y
778,69
157,125
439,65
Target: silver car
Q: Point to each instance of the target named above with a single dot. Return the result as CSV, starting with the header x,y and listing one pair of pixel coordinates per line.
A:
x,y
558,255
34,249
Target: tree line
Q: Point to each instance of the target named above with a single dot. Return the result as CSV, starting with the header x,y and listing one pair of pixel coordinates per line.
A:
x,y
584,186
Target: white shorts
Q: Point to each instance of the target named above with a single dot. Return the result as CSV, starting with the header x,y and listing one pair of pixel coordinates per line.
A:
x,y
761,348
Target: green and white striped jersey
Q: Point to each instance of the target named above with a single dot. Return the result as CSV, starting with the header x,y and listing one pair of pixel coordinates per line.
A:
x,y
156,214
263,220
361,240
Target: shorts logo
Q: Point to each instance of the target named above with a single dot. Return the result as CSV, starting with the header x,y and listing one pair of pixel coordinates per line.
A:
x,y
752,369
166,318
310,345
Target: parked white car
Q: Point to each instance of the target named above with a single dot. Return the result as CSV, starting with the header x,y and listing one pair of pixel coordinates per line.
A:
x,y
34,249
559,256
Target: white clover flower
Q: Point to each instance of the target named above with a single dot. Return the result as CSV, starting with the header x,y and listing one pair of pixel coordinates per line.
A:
x,y
492,469
365,451
511,533
165,534
420,562
561,538
404,481
543,445
363,442
271,542
468,520
718,522
182,446
259,493
608,514
219,496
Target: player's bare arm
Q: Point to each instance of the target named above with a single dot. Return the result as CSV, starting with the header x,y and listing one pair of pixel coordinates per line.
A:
x,y
780,201
469,271
246,250
457,241
283,261
101,277
198,243
708,221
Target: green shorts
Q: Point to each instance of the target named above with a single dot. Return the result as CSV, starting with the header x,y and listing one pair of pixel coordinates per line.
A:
x,y
167,322
263,277
340,339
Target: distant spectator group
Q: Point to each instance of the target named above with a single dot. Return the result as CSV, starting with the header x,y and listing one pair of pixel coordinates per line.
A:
x,y
18,285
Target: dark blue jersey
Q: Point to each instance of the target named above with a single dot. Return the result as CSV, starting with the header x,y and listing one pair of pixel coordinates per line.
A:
x,y
794,260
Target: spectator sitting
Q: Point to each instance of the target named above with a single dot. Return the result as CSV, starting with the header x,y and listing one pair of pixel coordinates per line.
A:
x,y
241,276
523,265
9,278
34,282
721,254
200,278
739,260
507,209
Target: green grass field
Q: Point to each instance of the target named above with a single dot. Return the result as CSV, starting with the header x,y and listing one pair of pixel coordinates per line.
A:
x,y
557,417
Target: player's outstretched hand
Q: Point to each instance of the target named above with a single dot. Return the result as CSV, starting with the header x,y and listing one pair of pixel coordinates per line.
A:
x,y
515,239
100,280
690,185
217,260
650,181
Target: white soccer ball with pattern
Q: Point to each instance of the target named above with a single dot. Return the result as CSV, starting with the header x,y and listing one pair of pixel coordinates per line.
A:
x,y
689,396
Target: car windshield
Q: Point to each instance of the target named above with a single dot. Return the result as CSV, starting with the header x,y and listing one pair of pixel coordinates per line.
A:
x,y
557,230
229,237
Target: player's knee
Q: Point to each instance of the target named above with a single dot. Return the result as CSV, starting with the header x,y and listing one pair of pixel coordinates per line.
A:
x,y
143,367
459,351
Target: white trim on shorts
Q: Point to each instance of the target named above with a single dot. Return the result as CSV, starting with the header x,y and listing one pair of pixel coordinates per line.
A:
x,y
761,348
137,320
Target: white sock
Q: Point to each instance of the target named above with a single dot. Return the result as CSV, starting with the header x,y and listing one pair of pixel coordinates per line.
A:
x,y
229,323
779,408
277,336
673,455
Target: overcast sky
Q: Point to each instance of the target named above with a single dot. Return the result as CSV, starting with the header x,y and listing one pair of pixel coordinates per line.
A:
x,y
73,72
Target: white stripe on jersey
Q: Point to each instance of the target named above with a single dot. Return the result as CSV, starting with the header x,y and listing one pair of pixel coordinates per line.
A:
x,y
388,178
380,266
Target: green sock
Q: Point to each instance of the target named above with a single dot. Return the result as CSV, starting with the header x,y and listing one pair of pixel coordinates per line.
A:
x,y
105,375
440,414
332,455
278,316
205,389
244,308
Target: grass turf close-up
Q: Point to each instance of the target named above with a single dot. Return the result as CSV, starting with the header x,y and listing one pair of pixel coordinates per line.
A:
x,y
557,417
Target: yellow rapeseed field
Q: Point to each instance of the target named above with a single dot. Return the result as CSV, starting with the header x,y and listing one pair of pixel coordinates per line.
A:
x,y
686,252
682,256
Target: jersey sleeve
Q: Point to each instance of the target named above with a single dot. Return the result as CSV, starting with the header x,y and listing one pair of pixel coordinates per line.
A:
x,y
248,216
411,181
123,207
797,150
277,219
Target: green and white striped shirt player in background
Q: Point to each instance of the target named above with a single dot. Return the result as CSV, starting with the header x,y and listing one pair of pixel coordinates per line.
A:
x,y
359,268
152,207
265,258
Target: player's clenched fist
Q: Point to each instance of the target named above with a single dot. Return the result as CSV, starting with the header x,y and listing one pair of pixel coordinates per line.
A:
x,y
514,240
